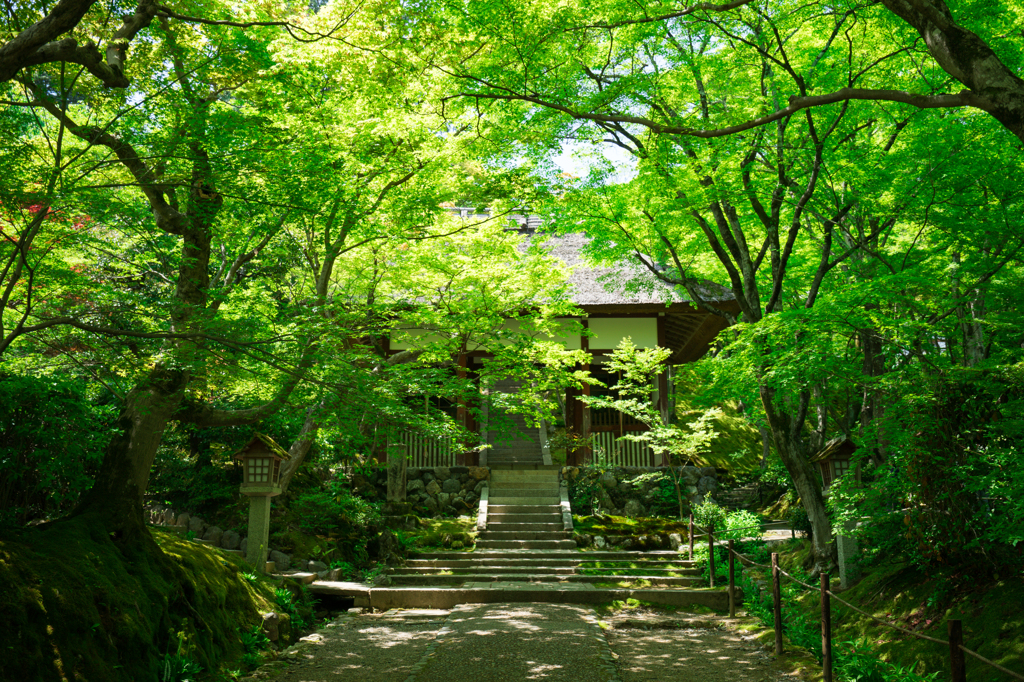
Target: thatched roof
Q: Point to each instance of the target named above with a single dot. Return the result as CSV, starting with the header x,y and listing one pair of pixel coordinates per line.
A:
x,y
624,284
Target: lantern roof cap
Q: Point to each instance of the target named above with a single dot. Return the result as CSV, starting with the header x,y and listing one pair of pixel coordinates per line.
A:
x,y
268,442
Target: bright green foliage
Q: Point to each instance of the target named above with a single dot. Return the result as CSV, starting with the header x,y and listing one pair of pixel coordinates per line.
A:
x,y
50,436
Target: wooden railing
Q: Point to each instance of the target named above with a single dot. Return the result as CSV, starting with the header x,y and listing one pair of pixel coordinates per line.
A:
x,y
957,662
428,451
622,453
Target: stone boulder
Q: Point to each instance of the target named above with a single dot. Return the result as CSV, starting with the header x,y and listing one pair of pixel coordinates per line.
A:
x,y
317,567
433,489
213,535
169,518
608,479
196,525
230,540
443,500
707,484
414,486
479,473
282,561
600,542
451,486
182,520
634,509
675,541
442,473
271,626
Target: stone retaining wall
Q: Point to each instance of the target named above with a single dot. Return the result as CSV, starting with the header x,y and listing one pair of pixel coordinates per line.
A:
x,y
439,490
617,494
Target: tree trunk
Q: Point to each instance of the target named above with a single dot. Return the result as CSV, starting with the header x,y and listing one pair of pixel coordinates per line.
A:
x,y
301,446
790,447
117,494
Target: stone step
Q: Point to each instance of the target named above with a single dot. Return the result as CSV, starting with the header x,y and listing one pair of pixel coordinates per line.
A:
x,y
510,460
519,527
418,579
539,508
569,553
541,519
441,597
509,491
478,569
524,483
502,500
641,565
492,535
526,474
526,544
548,560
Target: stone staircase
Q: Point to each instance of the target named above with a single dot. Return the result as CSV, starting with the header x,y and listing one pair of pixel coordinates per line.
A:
x,y
524,512
521,447
737,498
526,541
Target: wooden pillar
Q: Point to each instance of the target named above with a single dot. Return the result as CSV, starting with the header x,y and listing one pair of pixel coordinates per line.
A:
x,y
663,384
461,413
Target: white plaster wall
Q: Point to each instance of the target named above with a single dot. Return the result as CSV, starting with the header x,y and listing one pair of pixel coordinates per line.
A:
x,y
607,332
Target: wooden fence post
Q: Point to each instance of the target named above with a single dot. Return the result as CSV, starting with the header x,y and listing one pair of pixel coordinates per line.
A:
x,y
732,584
957,664
711,551
826,630
691,537
777,603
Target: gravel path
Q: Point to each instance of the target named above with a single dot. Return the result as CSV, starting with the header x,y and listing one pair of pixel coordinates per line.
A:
x,y
512,642
695,655
506,642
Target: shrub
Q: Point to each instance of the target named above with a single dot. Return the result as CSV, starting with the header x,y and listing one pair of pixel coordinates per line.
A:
x,y
51,442
335,511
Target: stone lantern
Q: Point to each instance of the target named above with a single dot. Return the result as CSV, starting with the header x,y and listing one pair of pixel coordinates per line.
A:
x,y
261,462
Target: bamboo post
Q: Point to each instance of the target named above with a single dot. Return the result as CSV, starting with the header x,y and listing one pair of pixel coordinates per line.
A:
x,y
957,664
732,584
691,536
826,630
777,603
711,552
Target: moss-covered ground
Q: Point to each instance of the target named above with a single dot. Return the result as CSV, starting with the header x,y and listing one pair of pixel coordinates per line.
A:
x,y
601,524
78,605
457,534
992,613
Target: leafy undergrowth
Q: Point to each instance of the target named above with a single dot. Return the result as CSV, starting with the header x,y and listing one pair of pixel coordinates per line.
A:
x,y
993,620
450,534
78,606
601,524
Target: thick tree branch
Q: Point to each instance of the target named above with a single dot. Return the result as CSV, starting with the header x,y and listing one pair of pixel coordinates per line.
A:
x,y
38,44
961,99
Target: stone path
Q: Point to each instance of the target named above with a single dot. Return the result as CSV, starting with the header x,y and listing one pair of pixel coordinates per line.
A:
x,y
511,642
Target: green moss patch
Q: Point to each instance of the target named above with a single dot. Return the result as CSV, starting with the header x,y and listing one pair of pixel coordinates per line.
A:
x,y
79,606
451,534
623,525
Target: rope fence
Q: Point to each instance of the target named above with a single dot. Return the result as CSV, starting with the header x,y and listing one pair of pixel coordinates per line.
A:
x,y
955,641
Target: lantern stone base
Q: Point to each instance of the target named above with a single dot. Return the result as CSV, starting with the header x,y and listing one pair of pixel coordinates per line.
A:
x,y
259,532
